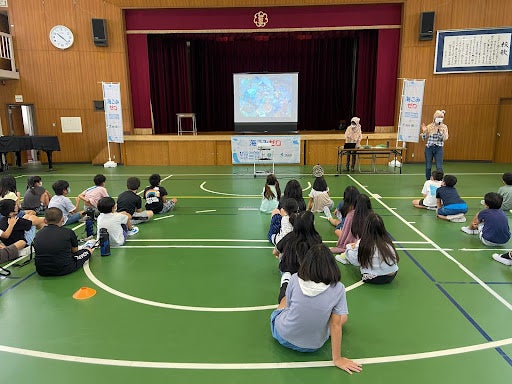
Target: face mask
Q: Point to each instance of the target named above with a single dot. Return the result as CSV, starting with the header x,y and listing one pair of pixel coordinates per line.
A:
x,y
41,183
438,120
69,189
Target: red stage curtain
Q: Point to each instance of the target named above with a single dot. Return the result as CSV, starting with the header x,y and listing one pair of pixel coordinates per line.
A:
x,y
326,62
169,78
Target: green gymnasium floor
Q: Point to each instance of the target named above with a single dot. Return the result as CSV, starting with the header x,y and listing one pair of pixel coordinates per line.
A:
x,y
188,299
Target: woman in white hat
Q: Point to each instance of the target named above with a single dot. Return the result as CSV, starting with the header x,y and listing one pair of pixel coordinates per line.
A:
x,y
353,134
436,133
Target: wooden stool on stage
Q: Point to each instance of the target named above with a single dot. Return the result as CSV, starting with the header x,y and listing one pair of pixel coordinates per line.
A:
x,y
192,116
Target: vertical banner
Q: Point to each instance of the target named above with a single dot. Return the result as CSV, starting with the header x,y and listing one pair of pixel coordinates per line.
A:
x,y
113,113
409,122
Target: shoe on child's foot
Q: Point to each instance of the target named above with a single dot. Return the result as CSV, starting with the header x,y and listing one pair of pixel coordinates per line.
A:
x,y
90,243
25,251
501,259
327,213
458,218
133,231
342,258
469,231
432,208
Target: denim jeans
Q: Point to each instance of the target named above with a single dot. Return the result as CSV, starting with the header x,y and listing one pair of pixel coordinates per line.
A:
x,y
433,152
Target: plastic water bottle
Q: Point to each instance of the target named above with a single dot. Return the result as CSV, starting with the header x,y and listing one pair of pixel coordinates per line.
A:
x,y
104,242
89,227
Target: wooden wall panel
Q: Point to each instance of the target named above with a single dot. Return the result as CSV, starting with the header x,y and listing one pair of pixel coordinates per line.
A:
x,y
146,153
223,151
192,153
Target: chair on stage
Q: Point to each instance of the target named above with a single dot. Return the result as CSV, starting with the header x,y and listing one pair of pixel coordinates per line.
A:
x,y
192,116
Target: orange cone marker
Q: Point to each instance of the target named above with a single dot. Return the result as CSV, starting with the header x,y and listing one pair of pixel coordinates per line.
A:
x,y
84,293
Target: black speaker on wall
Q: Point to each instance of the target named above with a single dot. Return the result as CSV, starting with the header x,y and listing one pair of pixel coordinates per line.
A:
x,y
99,32
427,25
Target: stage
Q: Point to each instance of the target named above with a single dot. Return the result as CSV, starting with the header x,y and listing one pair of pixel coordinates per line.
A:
x,y
214,148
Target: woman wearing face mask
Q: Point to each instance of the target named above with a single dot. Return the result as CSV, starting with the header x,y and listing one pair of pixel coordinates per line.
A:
x,y
353,135
436,133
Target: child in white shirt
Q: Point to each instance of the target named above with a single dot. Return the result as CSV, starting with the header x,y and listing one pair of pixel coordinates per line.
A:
x,y
119,226
429,200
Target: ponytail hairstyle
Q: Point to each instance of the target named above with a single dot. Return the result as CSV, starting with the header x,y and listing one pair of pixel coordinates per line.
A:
x,y
31,183
376,239
267,193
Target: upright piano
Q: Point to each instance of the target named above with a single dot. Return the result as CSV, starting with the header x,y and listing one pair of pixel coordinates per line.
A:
x,y
17,144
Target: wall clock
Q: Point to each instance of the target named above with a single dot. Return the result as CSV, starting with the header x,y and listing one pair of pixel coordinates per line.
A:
x,y
61,37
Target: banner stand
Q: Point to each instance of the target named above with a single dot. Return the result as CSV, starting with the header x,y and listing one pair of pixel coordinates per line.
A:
x,y
113,117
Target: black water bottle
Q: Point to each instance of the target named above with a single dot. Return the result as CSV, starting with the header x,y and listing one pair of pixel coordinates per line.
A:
x,y
89,227
104,242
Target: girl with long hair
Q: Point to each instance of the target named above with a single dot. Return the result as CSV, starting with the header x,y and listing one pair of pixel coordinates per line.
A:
x,y
314,308
271,194
374,253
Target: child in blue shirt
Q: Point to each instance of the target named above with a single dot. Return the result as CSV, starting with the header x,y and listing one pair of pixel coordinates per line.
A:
x,y
491,223
449,204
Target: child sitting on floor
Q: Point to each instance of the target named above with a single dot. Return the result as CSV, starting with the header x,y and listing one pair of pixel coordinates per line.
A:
x,y
429,200
156,196
314,308
130,204
56,247
491,224
270,195
36,197
61,201
23,229
506,192
289,209
449,204
319,198
374,253
92,195
119,226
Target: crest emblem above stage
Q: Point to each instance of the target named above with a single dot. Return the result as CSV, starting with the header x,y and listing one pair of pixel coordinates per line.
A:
x,y
260,19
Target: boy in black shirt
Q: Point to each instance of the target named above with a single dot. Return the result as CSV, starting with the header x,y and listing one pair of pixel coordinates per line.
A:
x,y
156,196
23,230
56,247
130,203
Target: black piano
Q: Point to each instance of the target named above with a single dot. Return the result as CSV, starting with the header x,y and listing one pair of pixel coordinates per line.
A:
x,y
17,144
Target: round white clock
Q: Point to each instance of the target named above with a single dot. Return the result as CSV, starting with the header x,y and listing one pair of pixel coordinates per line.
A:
x,y
61,37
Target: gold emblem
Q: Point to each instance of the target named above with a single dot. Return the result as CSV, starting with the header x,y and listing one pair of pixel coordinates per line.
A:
x,y
260,19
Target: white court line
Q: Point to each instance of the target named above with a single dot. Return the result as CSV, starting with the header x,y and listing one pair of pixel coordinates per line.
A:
x,y
202,186
202,246
500,250
139,300
442,251
163,217
199,240
207,210
246,366
252,247
248,209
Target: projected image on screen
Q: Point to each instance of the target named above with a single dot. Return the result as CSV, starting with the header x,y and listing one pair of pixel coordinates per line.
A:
x,y
265,97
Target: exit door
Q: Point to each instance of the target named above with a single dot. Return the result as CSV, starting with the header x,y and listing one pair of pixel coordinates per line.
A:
x,y
22,122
